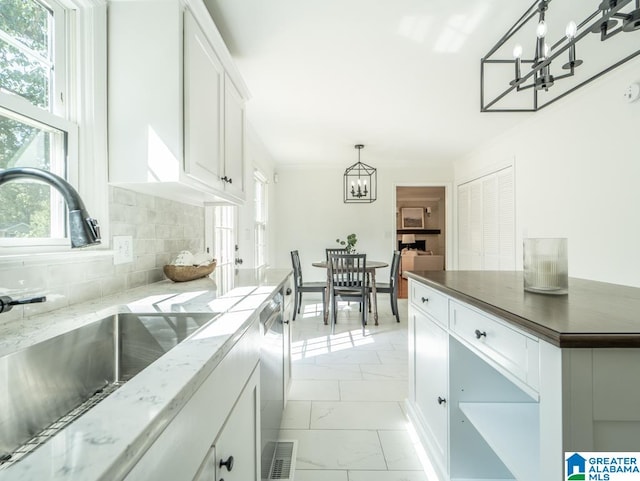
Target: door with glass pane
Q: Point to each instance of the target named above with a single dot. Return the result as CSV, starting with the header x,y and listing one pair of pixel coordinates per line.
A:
x,y
221,241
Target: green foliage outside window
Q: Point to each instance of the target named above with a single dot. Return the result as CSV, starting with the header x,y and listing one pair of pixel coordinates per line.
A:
x,y
25,70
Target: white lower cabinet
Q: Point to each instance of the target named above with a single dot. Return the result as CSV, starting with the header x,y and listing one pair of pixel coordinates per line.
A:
x,y
491,401
473,391
431,390
236,447
207,471
221,419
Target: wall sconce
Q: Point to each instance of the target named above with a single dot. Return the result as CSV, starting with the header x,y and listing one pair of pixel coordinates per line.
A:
x,y
506,70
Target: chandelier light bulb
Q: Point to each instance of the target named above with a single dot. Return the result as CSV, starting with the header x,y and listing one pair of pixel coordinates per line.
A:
x,y
571,30
541,29
517,51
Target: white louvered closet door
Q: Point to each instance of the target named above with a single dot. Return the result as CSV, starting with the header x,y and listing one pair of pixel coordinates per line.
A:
x,y
486,222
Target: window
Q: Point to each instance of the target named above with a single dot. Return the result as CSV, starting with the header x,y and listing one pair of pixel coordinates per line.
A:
x,y
260,201
35,130
224,234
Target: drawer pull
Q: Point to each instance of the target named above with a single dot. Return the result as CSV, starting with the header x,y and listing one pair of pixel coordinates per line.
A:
x,y
441,400
480,334
228,463
425,299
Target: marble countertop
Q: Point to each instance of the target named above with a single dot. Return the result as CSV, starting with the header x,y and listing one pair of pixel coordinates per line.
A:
x,y
107,441
593,314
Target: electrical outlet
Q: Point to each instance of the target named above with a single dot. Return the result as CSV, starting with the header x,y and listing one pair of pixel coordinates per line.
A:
x,y
122,249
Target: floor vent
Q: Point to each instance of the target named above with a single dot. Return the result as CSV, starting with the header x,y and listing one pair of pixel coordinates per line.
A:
x,y
283,461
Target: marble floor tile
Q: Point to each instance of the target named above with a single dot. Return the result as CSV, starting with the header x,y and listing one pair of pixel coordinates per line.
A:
x,y
321,475
347,397
378,390
337,449
297,415
357,415
386,476
399,452
348,356
384,371
325,372
394,357
314,390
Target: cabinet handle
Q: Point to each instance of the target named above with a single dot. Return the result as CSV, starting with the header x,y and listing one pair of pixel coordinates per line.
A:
x,y
480,334
285,322
288,291
228,463
425,299
441,400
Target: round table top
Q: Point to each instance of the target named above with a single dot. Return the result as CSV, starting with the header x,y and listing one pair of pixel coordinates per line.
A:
x,y
370,264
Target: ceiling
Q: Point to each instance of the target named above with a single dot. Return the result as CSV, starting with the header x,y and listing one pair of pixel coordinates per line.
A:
x,y
400,76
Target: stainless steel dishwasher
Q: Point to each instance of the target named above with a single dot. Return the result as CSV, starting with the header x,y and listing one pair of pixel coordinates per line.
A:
x,y
271,376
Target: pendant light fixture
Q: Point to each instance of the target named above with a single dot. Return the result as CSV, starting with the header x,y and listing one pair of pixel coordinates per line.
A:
x,y
360,182
537,72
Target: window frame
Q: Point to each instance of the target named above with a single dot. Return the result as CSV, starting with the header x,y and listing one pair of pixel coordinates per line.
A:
x,y
78,109
261,218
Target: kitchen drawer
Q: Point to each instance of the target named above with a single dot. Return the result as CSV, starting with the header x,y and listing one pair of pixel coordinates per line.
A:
x,y
430,301
497,342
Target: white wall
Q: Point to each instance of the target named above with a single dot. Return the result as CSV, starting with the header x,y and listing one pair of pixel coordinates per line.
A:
x,y
312,214
577,168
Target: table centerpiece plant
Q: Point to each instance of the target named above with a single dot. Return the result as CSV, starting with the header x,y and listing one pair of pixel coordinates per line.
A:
x,y
349,243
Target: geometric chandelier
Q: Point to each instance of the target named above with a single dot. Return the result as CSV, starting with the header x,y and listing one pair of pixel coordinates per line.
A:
x,y
360,182
549,52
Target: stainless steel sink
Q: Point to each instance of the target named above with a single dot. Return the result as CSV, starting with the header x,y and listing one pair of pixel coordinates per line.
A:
x,y
48,385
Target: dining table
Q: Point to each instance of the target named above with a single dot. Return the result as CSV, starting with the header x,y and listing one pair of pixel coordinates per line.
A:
x,y
371,267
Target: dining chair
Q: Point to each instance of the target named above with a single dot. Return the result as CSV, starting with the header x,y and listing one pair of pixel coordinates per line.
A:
x,y
300,286
348,282
329,251
391,287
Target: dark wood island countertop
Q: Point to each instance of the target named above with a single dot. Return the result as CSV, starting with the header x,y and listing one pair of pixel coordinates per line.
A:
x,y
593,314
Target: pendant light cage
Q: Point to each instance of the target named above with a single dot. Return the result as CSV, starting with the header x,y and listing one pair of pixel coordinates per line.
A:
x,y
360,182
555,48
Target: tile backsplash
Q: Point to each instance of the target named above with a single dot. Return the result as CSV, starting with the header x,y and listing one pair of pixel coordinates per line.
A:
x,y
160,228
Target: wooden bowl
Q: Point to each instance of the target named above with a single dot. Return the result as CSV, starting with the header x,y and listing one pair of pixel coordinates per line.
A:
x,y
188,273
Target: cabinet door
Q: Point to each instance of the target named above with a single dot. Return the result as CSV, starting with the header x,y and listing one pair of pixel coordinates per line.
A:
x,y
207,471
431,381
233,140
237,443
203,112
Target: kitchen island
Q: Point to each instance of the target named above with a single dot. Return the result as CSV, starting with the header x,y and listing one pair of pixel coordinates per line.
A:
x,y
116,436
503,381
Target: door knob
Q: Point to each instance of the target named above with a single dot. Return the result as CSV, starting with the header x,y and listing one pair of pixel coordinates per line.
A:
x,y
441,400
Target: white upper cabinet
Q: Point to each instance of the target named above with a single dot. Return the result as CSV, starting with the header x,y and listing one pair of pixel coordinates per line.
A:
x,y
203,107
233,139
176,103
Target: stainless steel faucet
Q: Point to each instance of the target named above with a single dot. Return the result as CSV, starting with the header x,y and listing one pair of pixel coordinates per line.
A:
x,y
83,229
